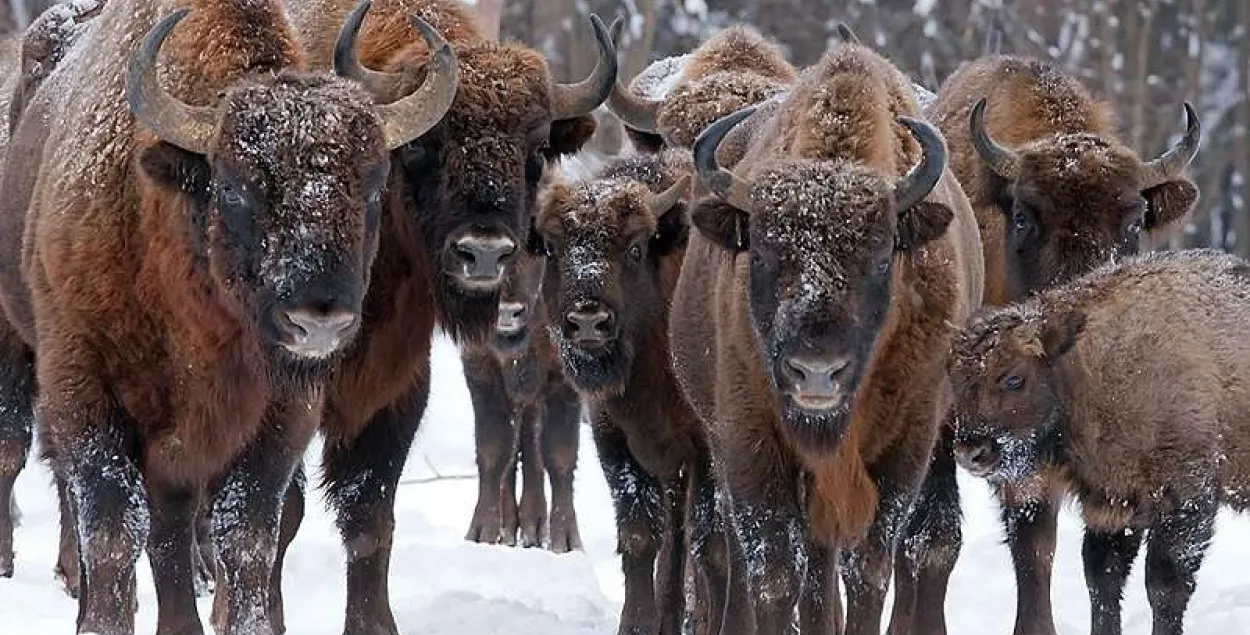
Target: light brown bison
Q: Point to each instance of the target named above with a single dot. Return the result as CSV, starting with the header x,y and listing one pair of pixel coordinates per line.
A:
x,y
1126,389
810,325
523,411
614,248
189,264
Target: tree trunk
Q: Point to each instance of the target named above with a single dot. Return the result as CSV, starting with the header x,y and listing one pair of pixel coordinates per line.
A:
x,y
1242,142
488,13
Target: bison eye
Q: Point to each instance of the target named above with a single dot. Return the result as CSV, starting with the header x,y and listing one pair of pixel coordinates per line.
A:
x,y
1020,220
1013,383
1134,228
635,253
231,197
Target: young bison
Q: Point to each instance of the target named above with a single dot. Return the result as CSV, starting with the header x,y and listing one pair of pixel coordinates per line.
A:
x,y
614,247
813,314
523,407
1127,389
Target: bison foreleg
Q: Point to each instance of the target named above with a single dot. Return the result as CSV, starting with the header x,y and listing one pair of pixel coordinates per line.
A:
x,y
561,436
171,551
1178,542
671,574
292,517
361,478
1108,559
67,569
636,496
532,520
17,392
1031,527
496,449
770,556
710,551
820,607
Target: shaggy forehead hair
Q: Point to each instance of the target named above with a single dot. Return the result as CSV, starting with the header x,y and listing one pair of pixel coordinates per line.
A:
x,y
983,335
599,208
501,86
1079,157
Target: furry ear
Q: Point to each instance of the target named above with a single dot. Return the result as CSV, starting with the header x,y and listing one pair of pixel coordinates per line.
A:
x,y
671,230
1059,333
722,224
173,168
921,223
569,135
1168,203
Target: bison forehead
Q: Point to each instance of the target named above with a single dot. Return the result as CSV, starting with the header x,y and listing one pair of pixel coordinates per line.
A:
x,y
1078,156
822,204
502,87
604,207
975,345
694,106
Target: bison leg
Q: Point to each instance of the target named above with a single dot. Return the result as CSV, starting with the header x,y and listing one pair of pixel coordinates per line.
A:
x,y
67,569
533,516
205,559
636,496
171,548
1178,543
671,576
13,450
709,550
930,548
561,435
361,478
496,450
1108,559
17,392
1031,527
770,555
292,517
820,607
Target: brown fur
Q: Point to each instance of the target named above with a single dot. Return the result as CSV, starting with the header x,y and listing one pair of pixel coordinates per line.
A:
x,y
1131,398
821,166
1079,179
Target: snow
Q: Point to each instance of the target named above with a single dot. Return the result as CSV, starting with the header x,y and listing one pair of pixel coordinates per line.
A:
x,y
441,585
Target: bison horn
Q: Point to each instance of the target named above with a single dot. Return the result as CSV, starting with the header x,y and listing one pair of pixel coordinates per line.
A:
x,y
635,111
1003,162
574,100
1170,164
922,178
664,201
723,183
404,116
188,127
847,35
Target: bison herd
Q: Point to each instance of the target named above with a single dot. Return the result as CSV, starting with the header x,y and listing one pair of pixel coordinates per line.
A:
x,y
800,301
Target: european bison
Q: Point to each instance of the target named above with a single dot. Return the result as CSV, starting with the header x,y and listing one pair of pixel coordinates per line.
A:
x,y
810,325
195,259
1056,194
1126,389
523,408
458,202
614,246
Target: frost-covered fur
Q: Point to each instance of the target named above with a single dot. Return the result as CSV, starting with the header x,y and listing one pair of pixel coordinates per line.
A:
x,y
1075,202
822,264
1127,389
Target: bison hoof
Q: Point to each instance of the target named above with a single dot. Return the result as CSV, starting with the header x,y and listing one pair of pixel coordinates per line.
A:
x,y
68,579
485,528
6,565
564,534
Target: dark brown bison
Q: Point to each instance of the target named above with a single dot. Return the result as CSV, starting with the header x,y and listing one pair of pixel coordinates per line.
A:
x,y
810,325
458,205
523,410
195,260
674,99
1125,389
614,247
1056,194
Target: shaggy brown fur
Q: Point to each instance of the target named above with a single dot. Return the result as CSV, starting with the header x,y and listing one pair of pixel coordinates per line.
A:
x,y
523,410
1127,388
1078,201
156,275
614,257
821,264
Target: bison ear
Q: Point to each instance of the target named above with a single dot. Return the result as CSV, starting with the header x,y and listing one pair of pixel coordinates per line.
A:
x,y
921,223
1059,334
569,135
173,168
1168,202
722,224
671,230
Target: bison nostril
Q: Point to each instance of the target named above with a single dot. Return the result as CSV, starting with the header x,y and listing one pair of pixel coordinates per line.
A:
x,y
589,323
816,370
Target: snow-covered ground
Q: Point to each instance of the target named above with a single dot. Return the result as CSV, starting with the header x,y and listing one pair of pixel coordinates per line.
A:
x,y
441,585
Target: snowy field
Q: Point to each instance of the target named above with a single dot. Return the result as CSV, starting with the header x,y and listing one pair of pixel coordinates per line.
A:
x,y
441,585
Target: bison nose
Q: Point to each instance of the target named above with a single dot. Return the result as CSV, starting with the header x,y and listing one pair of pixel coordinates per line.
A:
x,y
511,317
814,380
979,458
481,259
589,325
317,334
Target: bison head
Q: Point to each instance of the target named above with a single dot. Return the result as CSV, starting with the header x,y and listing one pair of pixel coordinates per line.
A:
x,y
1007,396
283,183
822,238
473,180
613,247
1075,201
519,302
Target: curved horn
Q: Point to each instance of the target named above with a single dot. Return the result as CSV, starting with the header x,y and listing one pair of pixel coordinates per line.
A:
x,y
1003,162
723,183
188,127
574,100
911,189
1172,162
385,87
664,201
635,111
847,35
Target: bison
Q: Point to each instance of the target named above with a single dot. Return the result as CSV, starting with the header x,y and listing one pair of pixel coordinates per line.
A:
x,y
194,261
614,247
1056,194
523,407
810,324
1126,389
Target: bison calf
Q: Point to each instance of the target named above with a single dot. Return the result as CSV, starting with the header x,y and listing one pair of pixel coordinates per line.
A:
x,y
1126,389
523,407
